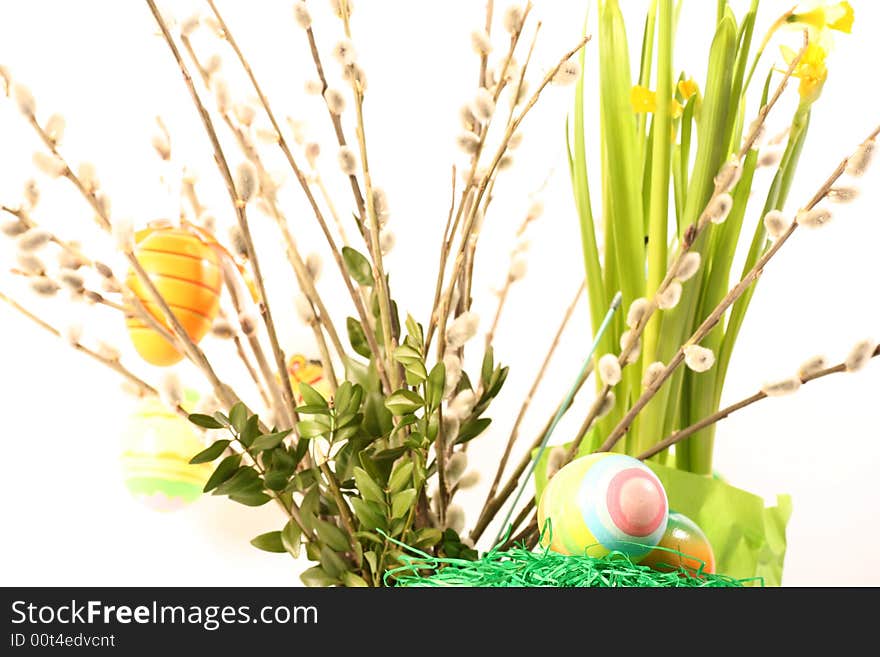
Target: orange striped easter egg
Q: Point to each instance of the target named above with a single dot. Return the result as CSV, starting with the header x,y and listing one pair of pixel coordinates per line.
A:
x,y
187,272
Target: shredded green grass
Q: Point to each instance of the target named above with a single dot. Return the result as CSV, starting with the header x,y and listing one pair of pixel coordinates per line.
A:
x,y
521,567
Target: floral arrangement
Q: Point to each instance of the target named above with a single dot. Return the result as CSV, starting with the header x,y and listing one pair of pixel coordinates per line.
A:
x,y
364,450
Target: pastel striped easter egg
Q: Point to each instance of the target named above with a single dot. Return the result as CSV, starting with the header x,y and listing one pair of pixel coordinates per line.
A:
x,y
685,546
185,268
157,445
601,503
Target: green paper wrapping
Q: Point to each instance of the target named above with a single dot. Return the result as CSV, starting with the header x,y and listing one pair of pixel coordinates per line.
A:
x,y
748,538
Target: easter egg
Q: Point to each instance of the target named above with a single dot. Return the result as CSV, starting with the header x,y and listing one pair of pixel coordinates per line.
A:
x,y
157,445
601,503
310,371
683,536
185,268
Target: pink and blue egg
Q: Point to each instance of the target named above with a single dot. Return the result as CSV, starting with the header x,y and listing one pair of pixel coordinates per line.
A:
x,y
601,503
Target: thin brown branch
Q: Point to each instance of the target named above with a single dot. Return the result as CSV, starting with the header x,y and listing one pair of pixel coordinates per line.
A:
x,y
708,421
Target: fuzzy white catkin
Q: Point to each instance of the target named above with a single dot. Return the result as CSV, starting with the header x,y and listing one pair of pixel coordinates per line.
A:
x,y
469,480
123,234
33,240
72,280
313,152
313,87
213,64
108,351
652,373
455,518
30,264
161,145
483,105
719,208
814,218
467,118
628,338
513,19
515,140
481,42
468,142
776,224
555,460
567,73
43,286
669,297
221,95
462,404
451,426
304,309
301,15
24,99
607,404
48,164
247,319
335,101
728,176
73,333
380,205
190,24
347,161
247,181
455,467
245,113
314,265
170,389
54,128
31,194
88,175
781,388
860,355
387,240
237,241
636,312
699,359
688,267
13,227
518,268
222,329
506,162
462,329
452,363
344,52
843,194
858,164
812,365
355,75
769,158
609,370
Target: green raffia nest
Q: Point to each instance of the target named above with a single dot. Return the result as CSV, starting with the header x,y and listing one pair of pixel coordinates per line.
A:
x,y
521,567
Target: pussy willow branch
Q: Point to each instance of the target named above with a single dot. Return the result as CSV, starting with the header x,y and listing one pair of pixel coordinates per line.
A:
x,y
709,420
293,255
240,211
246,361
25,219
467,194
484,59
337,129
715,316
381,283
536,382
113,364
304,184
180,336
512,127
684,247
494,505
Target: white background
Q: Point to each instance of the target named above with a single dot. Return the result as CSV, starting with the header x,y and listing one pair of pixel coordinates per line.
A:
x,y
66,516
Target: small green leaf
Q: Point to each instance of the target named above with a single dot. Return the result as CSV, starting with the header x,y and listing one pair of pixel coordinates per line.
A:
x,y
211,453
331,535
245,480
370,518
238,416
311,396
250,432
488,366
332,563
250,498
310,429
415,331
352,580
357,338
400,477
405,354
270,542
275,480
343,398
427,537
370,556
346,433
222,419
204,421
403,401
435,386
358,266
269,441
368,488
316,577
290,538
415,372
472,429
224,471
402,502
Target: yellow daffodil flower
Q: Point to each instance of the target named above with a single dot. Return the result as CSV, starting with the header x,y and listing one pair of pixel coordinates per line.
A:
x,y
810,70
838,16
644,101
688,88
